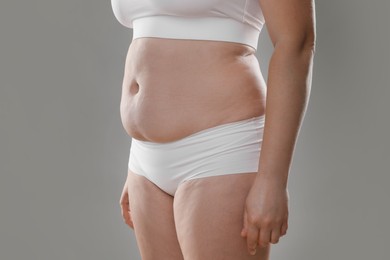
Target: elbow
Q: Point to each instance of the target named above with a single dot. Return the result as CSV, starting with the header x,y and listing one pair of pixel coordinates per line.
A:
x,y
305,43
309,44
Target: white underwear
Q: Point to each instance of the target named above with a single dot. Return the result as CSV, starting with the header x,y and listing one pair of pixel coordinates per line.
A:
x,y
220,150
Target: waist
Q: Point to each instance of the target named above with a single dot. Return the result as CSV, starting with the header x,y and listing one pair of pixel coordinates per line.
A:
x,y
196,28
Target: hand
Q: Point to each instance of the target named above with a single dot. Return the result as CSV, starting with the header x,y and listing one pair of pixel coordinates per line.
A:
x,y
265,213
125,206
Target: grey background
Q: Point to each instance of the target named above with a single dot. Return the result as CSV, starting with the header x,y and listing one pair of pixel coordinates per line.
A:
x,y
63,156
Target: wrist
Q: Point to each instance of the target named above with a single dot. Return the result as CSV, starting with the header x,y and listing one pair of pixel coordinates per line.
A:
x,y
274,179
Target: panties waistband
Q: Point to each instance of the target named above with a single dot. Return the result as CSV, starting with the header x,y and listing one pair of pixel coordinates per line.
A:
x,y
255,124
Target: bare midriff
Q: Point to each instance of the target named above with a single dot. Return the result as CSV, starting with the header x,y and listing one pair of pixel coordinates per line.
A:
x,y
173,88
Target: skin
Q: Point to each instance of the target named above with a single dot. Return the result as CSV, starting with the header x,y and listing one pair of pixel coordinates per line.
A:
x,y
222,82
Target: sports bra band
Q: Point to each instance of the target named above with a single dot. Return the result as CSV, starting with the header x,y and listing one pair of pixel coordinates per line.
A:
x,y
210,28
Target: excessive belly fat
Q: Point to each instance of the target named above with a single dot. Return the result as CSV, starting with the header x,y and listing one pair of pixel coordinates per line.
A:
x,y
165,100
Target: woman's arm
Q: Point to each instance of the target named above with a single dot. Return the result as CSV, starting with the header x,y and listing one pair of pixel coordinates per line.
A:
x,y
291,26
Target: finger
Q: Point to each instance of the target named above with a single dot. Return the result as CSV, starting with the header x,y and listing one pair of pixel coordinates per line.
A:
x,y
127,218
275,234
130,223
245,224
252,236
125,210
265,236
123,200
125,207
283,229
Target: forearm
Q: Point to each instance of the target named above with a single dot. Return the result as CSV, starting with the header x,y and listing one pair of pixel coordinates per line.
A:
x,y
288,91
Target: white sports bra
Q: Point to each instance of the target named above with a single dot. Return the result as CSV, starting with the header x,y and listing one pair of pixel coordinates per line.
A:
x,y
237,21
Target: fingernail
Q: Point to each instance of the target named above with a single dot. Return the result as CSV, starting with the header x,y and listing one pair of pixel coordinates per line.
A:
x,y
253,252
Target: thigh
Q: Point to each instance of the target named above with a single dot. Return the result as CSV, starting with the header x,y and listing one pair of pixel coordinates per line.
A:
x,y
209,218
152,214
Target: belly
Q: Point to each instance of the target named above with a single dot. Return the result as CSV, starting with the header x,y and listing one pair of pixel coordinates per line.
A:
x,y
173,88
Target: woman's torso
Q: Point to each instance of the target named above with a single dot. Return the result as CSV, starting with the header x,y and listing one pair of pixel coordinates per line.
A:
x,y
173,88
